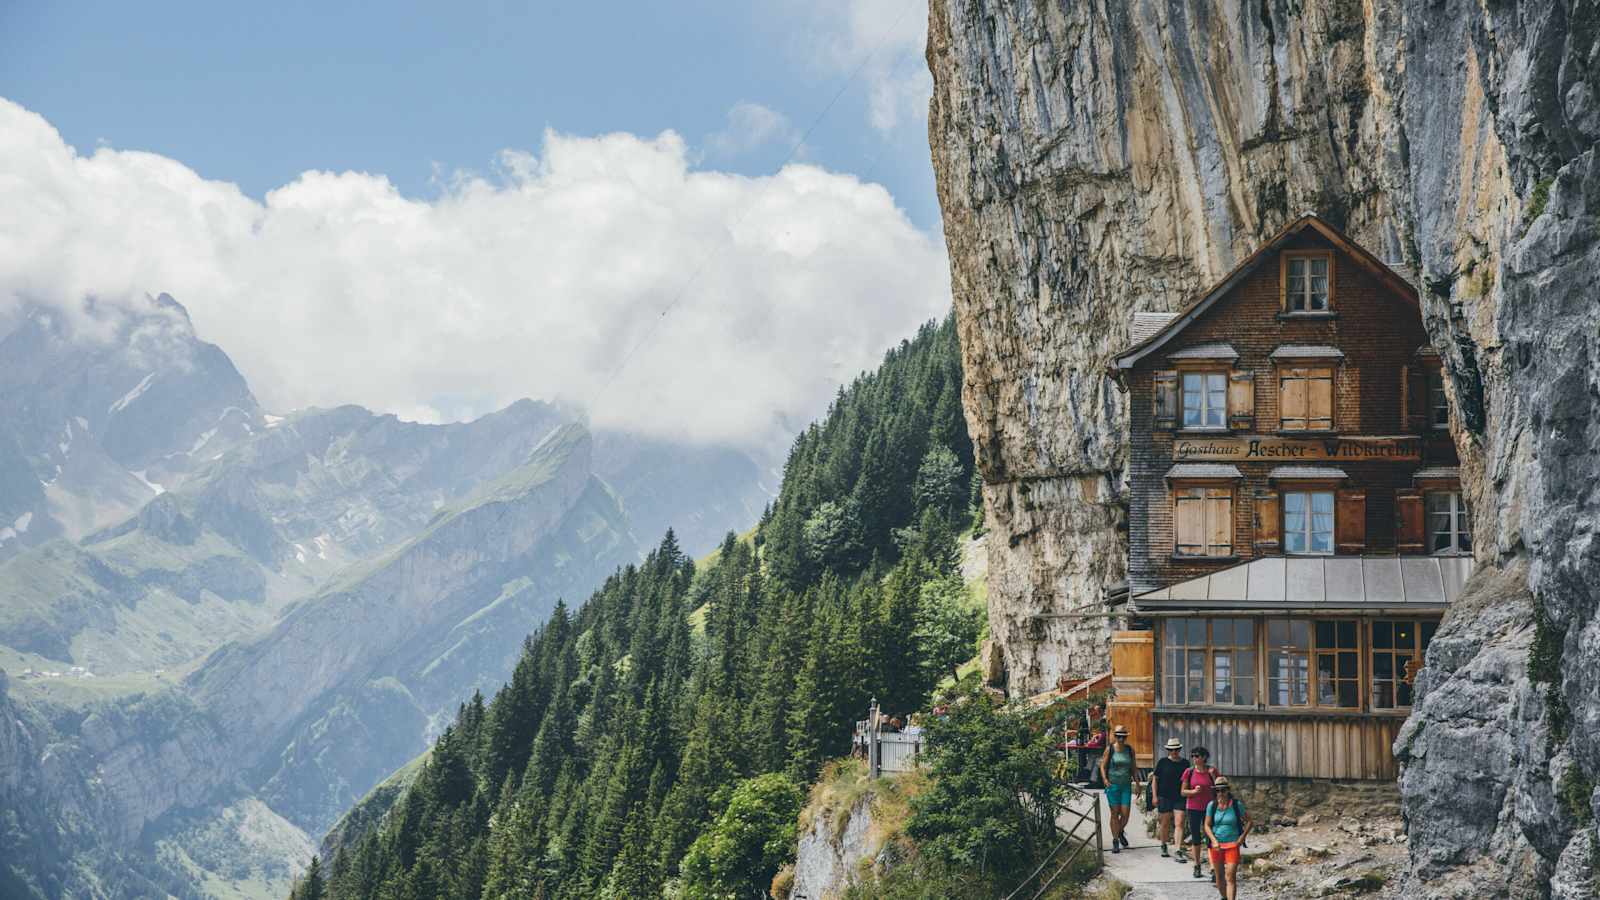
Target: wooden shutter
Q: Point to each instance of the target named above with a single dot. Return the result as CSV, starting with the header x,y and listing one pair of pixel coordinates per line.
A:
x,y
1410,535
1219,522
1269,522
1350,521
1189,521
1319,399
1292,405
1242,400
1166,400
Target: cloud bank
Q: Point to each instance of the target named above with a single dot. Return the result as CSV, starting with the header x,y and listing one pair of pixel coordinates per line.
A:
x,y
536,279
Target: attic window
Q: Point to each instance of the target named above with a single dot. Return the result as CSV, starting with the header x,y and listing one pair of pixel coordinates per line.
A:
x,y
1307,282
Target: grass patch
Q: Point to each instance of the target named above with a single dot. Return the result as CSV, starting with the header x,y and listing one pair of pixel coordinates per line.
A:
x,y
1537,201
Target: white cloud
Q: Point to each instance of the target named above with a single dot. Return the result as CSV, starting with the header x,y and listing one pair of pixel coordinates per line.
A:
x,y
885,40
752,125
533,282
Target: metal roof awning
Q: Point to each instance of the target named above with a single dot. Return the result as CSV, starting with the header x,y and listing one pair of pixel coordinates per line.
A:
x,y
1436,472
1203,470
1216,350
1398,583
1307,351
1306,473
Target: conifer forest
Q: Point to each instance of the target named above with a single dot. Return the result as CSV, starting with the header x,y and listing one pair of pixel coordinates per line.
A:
x,y
640,722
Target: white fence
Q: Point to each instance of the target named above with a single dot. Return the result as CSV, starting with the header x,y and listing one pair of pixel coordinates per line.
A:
x,y
887,751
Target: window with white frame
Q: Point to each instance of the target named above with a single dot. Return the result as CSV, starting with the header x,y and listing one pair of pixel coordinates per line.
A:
x,y
1205,399
1447,524
1306,284
1308,522
1438,405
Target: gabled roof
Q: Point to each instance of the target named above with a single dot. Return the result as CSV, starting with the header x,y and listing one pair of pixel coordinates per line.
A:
x,y
1147,323
1143,347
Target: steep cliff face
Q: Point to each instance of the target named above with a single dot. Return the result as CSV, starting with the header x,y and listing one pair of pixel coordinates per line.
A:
x,y
1099,158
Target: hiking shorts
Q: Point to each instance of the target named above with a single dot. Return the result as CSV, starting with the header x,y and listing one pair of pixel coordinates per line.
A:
x,y
1119,795
1170,804
1225,855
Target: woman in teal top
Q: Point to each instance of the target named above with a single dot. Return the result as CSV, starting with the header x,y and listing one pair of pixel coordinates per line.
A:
x,y
1227,824
1119,768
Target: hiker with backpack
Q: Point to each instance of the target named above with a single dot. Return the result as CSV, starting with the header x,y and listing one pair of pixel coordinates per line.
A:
x,y
1197,787
1164,782
1227,824
1119,766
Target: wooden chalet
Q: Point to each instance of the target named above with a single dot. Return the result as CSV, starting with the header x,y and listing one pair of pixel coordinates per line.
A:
x,y
1296,523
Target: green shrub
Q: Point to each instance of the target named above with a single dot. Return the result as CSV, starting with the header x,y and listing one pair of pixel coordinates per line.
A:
x,y
991,806
738,856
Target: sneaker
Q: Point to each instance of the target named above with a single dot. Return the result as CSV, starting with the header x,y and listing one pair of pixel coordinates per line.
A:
x,y
1117,848
1197,871
1164,850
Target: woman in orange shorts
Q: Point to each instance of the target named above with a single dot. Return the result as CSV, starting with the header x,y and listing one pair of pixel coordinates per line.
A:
x,y
1227,824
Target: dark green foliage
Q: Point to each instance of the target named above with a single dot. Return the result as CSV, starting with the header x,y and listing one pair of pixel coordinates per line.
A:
x,y
1544,667
1576,793
738,855
991,808
610,759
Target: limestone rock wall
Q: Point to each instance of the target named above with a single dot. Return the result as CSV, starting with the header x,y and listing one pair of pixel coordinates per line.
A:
x,y
1102,157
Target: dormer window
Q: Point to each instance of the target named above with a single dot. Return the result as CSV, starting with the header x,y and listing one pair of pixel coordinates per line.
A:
x,y
1307,282
1205,399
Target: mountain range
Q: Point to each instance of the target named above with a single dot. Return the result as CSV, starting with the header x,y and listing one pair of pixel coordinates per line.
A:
x,y
220,627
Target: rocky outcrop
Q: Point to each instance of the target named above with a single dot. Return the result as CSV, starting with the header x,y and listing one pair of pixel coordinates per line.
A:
x,y
827,862
1099,158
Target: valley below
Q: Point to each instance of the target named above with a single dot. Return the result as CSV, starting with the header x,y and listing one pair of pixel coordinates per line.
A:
x,y
221,627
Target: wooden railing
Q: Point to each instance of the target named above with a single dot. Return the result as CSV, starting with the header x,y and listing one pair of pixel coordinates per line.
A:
x,y
1067,850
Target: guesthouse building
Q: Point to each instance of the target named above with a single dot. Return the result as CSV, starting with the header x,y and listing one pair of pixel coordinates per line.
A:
x,y
1296,523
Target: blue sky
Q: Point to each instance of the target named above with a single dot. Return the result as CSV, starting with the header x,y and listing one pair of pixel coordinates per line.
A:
x,y
437,209
257,93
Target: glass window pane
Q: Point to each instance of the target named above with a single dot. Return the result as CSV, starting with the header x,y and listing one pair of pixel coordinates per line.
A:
x,y
1302,681
1319,267
1383,694
1325,634
1382,665
1197,676
1244,664
1428,628
1221,678
1174,632
1382,635
1322,503
1244,632
1222,632
1197,632
1300,635
1405,635
1402,693
1277,632
1348,667
1347,634
1349,696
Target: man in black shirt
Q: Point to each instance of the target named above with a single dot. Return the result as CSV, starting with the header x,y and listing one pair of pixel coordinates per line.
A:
x,y
1165,783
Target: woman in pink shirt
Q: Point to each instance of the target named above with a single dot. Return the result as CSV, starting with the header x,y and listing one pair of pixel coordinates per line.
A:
x,y
1197,787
